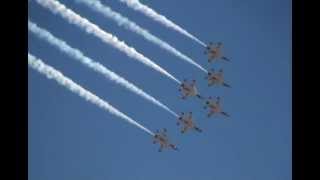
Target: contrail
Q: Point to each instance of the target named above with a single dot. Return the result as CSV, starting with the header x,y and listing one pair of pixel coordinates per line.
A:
x,y
149,12
52,73
73,18
78,55
97,6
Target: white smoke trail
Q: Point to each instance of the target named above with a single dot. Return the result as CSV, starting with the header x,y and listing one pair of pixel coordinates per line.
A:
x,y
57,8
149,12
52,73
127,23
78,55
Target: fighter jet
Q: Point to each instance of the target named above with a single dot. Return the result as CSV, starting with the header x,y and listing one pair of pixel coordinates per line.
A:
x,y
161,138
216,78
189,90
187,122
214,107
214,52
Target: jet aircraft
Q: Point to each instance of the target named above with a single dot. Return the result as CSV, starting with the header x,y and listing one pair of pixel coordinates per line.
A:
x,y
216,78
161,138
189,89
187,122
214,52
214,107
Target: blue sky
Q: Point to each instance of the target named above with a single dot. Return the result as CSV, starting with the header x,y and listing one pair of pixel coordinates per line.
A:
x,y
70,138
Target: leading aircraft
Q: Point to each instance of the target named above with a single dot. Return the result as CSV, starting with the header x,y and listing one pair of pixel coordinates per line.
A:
x,y
186,121
214,52
161,138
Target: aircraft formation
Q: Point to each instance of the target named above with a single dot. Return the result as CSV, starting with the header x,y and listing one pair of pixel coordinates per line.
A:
x,y
187,88
190,90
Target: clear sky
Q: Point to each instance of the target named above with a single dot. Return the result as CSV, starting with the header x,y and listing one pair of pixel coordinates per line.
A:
x,y
71,139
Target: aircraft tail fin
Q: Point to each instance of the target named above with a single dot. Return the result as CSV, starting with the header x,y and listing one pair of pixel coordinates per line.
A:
x,y
226,85
174,147
226,59
198,129
200,97
224,113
